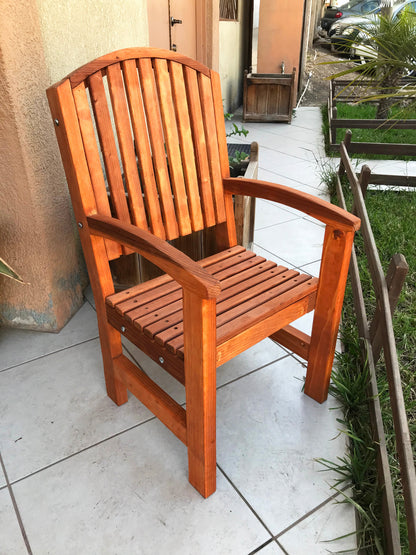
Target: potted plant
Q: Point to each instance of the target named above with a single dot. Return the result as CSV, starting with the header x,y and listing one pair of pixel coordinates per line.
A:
x,y
238,154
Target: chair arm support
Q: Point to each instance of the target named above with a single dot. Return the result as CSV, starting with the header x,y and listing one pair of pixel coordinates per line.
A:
x,y
188,273
314,206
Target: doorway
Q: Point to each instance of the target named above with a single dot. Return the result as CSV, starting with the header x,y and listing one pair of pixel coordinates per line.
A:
x,y
173,26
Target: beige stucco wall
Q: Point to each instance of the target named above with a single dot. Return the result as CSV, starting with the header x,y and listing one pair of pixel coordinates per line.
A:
x,y
77,31
40,42
232,37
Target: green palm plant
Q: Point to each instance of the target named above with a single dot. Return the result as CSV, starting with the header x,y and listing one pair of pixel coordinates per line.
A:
x,y
6,270
389,47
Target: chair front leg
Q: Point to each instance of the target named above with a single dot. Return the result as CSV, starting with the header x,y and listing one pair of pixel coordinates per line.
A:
x,y
333,276
200,385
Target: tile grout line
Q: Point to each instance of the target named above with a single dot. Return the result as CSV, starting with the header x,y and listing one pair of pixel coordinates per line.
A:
x,y
280,223
245,501
48,354
152,418
310,513
291,179
255,370
291,265
265,544
16,508
63,459
281,547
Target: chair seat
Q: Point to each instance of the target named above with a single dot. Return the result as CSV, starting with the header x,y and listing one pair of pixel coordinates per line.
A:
x,y
252,289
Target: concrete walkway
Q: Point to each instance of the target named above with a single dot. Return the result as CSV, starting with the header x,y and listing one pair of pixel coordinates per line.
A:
x,y
80,475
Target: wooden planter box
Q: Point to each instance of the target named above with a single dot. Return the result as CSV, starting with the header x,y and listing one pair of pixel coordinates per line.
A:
x,y
268,96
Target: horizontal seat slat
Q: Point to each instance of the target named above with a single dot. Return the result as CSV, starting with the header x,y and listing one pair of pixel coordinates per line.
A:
x,y
164,306
250,317
122,296
163,312
252,288
239,316
171,325
171,291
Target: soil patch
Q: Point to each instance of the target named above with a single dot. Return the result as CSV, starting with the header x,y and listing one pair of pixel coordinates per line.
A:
x,y
322,63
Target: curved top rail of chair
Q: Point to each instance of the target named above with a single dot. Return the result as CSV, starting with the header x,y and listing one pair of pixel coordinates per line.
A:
x,y
76,77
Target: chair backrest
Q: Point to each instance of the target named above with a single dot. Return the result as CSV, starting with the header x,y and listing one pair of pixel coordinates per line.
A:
x,y
142,136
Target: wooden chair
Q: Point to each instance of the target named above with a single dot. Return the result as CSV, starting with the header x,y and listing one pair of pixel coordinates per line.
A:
x,y
142,137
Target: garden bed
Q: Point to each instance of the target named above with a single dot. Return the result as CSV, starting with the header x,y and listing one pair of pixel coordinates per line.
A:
x,y
392,216
395,137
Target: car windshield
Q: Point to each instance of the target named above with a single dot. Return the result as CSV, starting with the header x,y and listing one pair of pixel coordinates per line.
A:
x,y
362,6
351,4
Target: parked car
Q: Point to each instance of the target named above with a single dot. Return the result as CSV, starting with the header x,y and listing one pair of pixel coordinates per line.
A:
x,y
354,7
345,34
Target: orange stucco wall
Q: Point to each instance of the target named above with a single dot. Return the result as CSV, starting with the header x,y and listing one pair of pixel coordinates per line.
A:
x,y
40,42
280,35
36,229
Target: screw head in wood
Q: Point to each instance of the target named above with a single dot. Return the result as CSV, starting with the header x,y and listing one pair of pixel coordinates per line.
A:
x,y
80,224
161,360
123,329
56,122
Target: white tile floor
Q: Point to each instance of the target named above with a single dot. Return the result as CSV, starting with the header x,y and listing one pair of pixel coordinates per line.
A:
x,y
80,475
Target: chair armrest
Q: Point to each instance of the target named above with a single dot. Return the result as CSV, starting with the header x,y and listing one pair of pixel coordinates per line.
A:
x,y
188,273
311,205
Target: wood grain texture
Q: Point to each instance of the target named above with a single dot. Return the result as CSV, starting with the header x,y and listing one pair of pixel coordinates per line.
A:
x,y
108,146
332,279
93,159
293,339
126,145
208,115
200,146
152,396
159,170
187,147
80,74
144,155
171,137
186,272
314,206
157,143
200,379
77,173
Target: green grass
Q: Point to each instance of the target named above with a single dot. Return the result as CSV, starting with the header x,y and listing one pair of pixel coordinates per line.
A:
x,y
392,215
368,111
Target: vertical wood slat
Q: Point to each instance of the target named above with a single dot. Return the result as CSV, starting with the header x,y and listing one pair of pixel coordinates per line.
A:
x,y
125,140
194,103
220,123
108,146
212,146
138,121
225,233
172,145
93,160
149,93
185,137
